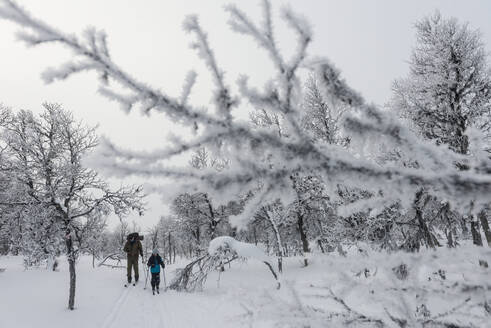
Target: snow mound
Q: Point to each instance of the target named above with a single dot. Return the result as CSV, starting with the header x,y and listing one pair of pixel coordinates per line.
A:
x,y
242,249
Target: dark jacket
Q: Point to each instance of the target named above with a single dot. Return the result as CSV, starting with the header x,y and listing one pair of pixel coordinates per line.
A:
x,y
133,248
155,260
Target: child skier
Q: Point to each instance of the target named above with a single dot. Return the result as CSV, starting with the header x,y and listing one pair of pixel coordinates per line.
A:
x,y
155,262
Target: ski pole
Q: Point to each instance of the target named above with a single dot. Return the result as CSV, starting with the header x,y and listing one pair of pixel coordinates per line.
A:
x,y
125,276
146,278
163,273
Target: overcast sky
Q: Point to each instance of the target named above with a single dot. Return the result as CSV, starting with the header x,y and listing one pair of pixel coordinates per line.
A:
x,y
370,41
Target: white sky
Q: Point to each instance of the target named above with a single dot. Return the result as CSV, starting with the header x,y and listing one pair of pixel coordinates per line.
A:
x,y
370,41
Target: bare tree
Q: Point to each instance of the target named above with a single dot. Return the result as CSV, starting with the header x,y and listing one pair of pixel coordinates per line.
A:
x,y
69,200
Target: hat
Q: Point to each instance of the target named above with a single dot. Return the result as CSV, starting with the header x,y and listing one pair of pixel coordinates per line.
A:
x,y
155,251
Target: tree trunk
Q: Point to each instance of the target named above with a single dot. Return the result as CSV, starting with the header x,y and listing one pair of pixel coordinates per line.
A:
x,y
198,242
280,264
278,239
319,242
476,234
485,226
450,239
213,221
465,228
428,237
274,274
73,280
303,237
423,227
449,230
170,248
71,267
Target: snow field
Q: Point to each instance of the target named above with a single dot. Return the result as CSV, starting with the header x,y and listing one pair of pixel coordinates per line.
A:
x,y
245,294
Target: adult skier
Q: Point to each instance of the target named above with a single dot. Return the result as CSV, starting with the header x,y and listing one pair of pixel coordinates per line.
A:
x,y
133,249
155,262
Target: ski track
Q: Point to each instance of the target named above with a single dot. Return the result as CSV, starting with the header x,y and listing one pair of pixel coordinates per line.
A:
x,y
186,310
108,322
137,307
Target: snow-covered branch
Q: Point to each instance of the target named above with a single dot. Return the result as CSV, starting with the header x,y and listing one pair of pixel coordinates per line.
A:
x,y
243,145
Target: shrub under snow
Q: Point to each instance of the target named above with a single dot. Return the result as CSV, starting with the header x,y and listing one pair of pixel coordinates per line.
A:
x,y
443,288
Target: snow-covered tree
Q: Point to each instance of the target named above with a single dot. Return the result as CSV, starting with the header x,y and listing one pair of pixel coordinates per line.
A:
x,y
121,232
321,121
310,200
172,242
112,243
201,220
322,117
93,239
202,159
273,217
63,203
448,89
8,214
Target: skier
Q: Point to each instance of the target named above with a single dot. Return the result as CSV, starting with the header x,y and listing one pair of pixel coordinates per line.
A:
x,y
133,248
155,262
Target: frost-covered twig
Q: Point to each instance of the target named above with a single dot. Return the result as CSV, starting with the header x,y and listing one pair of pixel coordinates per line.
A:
x,y
222,97
352,313
93,54
243,145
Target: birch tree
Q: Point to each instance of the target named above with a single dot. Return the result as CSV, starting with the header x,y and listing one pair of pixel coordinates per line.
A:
x,y
63,202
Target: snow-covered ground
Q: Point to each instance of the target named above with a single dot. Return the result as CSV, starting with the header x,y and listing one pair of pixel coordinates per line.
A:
x,y
362,288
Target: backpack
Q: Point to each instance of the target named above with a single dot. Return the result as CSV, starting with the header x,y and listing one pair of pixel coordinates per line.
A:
x,y
134,235
155,268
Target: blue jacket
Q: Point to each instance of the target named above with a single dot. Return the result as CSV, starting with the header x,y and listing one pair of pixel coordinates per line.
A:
x,y
154,262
